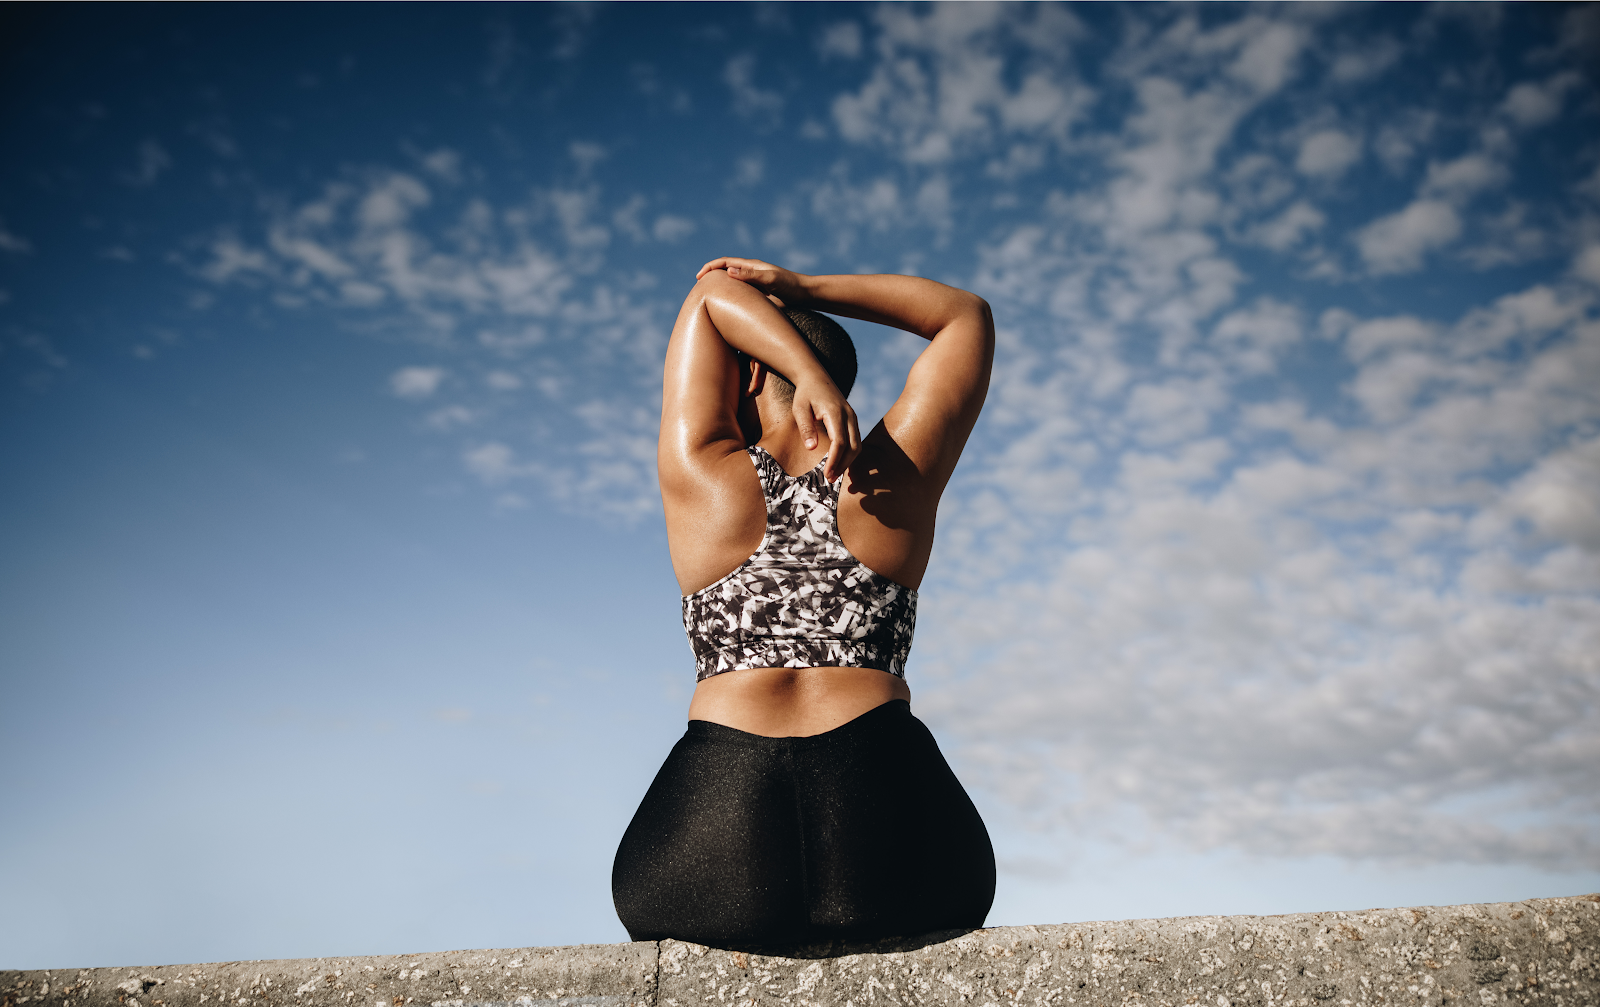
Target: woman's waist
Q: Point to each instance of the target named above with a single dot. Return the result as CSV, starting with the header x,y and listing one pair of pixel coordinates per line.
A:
x,y
793,702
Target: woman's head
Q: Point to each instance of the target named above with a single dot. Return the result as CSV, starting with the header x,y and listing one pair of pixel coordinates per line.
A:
x,y
829,342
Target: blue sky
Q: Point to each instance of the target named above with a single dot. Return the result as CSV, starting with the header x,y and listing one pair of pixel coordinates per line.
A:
x,y
335,609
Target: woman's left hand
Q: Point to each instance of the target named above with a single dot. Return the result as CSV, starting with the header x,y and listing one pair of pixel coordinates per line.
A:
x,y
784,285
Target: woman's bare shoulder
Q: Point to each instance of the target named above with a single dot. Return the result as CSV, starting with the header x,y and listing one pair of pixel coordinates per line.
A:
x,y
887,510
716,515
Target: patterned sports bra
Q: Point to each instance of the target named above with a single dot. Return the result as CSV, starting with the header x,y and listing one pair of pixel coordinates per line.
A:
x,y
802,600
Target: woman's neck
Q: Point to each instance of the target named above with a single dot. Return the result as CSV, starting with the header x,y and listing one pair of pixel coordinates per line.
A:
x,y
790,452
771,425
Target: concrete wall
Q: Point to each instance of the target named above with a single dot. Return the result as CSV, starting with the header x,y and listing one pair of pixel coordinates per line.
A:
x,y
1543,951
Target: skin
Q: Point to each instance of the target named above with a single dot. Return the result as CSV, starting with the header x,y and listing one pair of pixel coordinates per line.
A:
x,y
713,409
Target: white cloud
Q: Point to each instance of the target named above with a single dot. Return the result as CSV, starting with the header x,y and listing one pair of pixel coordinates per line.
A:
x,y
1163,608
153,162
213,131
1289,228
1252,341
513,343
1397,243
1328,153
750,169
1177,409
502,381
841,41
1021,159
451,417
626,218
1560,496
670,228
574,208
586,154
444,164
12,242
510,502
1465,177
1587,264
1366,61
938,90
934,202
1532,103
878,205
1140,248
1509,237
1368,339
523,280
359,245
493,462
1276,648
1400,242
40,358
1398,141
1269,56
416,382
748,99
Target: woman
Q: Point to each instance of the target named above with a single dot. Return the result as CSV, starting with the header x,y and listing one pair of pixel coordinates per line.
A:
x,y
806,803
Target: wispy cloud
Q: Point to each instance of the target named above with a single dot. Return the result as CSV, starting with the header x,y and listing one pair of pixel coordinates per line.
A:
x,y
749,99
1288,630
416,382
840,41
938,90
151,163
485,285
1398,242
1264,543
12,242
1216,572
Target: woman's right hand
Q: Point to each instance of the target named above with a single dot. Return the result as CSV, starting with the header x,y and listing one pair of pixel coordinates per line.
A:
x,y
818,402
774,281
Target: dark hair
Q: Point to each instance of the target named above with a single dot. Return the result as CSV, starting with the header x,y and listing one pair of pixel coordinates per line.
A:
x,y
829,342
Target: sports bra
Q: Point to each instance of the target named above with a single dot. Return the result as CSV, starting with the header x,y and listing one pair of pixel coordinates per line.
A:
x,y
801,600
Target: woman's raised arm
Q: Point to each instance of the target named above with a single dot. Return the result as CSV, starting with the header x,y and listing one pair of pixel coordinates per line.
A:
x,y
701,386
945,390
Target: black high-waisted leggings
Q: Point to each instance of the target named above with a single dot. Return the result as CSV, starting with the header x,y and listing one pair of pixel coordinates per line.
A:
x,y
863,832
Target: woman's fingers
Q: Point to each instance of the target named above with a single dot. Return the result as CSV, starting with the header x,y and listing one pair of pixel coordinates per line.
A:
x,y
720,263
843,429
845,447
744,269
819,409
775,281
842,450
805,420
764,276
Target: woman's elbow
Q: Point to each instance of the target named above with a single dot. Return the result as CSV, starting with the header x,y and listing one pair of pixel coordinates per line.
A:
x,y
979,308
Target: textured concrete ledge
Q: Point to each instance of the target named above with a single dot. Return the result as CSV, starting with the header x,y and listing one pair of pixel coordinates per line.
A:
x,y
1544,951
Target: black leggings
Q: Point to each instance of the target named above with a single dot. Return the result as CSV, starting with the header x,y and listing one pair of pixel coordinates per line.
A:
x,y
860,833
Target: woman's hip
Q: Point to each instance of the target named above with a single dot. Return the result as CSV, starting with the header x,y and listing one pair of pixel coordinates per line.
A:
x,y
861,830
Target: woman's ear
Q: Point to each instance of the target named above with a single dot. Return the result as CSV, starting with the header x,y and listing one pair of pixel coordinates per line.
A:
x,y
754,380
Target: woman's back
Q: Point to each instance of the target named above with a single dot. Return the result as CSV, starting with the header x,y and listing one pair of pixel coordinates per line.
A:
x,y
716,510
886,513
802,599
